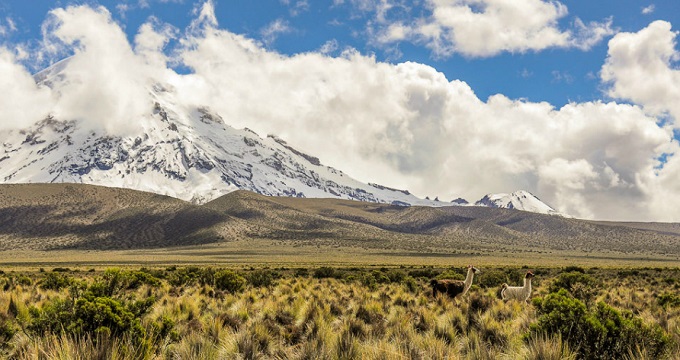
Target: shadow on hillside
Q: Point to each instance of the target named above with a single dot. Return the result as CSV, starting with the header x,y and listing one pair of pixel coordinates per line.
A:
x,y
128,229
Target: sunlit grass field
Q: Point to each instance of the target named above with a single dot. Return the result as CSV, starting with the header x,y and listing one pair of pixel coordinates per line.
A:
x,y
336,313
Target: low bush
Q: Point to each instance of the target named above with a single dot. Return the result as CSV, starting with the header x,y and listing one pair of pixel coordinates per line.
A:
x,y
395,276
55,281
600,333
24,280
410,283
227,280
451,274
427,273
380,277
301,272
188,275
573,268
263,278
89,312
492,278
164,328
115,280
580,285
368,280
668,300
325,272
7,329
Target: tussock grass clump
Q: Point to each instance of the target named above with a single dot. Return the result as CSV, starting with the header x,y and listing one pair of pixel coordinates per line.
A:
x,y
544,347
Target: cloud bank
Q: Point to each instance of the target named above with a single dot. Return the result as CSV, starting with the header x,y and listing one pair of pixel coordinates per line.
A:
x,y
482,28
403,125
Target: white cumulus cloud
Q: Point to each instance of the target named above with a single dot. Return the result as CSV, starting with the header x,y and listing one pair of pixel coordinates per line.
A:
x,y
107,78
481,28
639,67
22,102
272,31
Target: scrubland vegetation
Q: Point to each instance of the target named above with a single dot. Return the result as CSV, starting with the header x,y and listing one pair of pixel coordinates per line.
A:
x,y
336,313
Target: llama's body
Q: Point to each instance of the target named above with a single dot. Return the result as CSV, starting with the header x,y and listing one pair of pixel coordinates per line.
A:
x,y
519,293
454,288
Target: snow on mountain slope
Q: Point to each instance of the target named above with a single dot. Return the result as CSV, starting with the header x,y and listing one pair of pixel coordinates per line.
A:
x,y
190,154
519,200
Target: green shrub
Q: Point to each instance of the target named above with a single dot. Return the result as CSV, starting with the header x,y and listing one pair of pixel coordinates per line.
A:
x,y
396,276
580,285
189,275
669,300
602,333
301,272
573,268
24,280
325,272
89,315
157,273
380,277
410,283
628,273
164,328
263,278
369,281
7,329
55,281
451,274
115,280
492,279
229,281
427,273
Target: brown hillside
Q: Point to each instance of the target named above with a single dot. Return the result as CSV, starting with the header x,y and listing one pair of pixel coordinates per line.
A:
x,y
62,216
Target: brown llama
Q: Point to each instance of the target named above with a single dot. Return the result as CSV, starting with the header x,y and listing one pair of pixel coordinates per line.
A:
x,y
454,288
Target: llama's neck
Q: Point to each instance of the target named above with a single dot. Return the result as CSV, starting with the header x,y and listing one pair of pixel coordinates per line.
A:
x,y
468,279
527,284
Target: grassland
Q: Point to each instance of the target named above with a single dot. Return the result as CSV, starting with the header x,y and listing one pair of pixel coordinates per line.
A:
x,y
287,312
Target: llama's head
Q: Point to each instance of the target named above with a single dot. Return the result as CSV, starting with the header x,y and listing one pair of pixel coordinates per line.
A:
x,y
474,269
529,275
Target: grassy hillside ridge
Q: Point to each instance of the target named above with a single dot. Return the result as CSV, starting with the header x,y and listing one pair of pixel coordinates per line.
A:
x,y
60,216
459,225
75,216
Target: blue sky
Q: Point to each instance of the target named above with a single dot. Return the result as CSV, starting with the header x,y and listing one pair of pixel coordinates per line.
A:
x,y
575,101
555,75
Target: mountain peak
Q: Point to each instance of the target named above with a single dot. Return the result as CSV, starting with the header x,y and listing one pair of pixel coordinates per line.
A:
x,y
519,200
187,153
191,154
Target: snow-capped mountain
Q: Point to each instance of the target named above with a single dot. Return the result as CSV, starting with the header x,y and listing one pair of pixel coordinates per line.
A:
x,y
191,154
188,154
519,200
